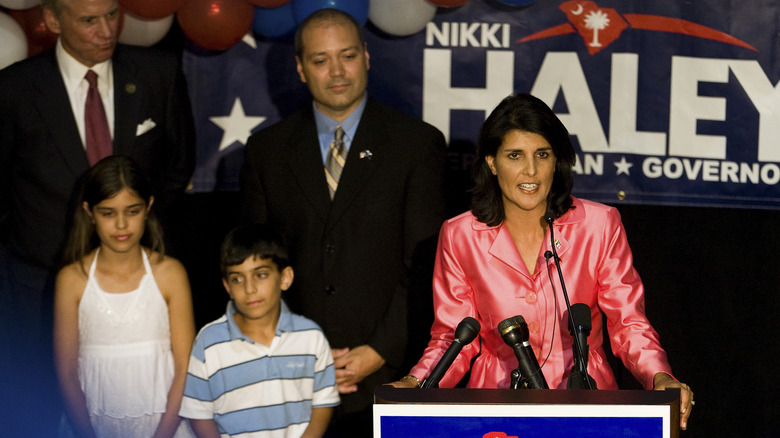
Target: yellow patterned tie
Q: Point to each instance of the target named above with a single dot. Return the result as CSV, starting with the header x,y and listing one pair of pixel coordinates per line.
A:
x,y
334,163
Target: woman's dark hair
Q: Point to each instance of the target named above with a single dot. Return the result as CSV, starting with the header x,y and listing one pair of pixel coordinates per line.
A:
x,y
103,181
253,240
521,112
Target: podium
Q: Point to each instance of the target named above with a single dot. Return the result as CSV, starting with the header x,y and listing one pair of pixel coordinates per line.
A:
x,y
526,413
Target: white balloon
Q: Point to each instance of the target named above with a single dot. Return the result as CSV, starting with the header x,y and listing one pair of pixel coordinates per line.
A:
x,y
14,41
401,17
19,4
139,31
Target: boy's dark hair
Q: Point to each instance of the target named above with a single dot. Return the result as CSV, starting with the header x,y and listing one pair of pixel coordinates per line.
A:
x,y
254,240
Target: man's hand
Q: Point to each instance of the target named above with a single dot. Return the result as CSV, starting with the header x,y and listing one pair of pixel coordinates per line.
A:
x,y
353,365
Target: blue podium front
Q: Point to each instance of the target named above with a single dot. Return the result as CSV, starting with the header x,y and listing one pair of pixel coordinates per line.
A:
x,y
504,413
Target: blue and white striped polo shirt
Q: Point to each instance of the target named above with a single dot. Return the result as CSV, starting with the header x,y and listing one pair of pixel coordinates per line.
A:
x,y
252,390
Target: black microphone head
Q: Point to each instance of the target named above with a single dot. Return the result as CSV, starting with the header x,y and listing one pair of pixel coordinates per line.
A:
x,y
549,217
508,323
548,255
513,330
467,330
580,313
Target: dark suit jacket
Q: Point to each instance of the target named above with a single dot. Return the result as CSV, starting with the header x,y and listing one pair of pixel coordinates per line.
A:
x,y
41,153
351,256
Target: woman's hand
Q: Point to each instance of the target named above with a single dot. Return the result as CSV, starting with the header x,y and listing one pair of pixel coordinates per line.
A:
x,y
662,381
406,382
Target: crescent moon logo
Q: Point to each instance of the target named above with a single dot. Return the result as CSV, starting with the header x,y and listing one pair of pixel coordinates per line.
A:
x,y
579,9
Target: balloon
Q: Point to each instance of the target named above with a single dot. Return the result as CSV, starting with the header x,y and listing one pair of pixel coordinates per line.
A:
x,y
401,17
19,4
14,47
139,31
517,2
274,23
448,3
39,37
269,3
215,24
358,9
151,9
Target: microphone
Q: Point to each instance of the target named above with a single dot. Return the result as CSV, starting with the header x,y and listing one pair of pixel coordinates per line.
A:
x,y
514,331
579,357
549,217
467,330
582,326
579,377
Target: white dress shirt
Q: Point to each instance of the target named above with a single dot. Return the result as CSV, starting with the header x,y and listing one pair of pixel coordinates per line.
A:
x,y
73,73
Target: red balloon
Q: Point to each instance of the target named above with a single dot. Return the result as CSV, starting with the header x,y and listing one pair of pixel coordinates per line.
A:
x,y
215,24
151,9
269,3
448,3
39,37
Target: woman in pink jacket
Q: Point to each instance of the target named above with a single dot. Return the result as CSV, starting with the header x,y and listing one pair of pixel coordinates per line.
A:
x,y
494,262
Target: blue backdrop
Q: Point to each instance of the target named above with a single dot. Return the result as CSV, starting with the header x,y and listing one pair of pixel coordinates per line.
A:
x,y
668,102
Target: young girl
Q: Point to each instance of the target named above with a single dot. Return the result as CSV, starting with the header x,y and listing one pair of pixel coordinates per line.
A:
x,y
123,322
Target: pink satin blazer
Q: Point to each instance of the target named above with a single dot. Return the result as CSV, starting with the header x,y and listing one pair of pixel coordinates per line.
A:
x,y
480,273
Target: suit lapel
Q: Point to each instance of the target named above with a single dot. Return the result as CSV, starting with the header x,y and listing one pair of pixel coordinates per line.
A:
x,y
304,162
369,137
53,104
503,249
127,92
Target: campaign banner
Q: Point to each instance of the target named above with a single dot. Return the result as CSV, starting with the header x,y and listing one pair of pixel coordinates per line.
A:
x,y
667,102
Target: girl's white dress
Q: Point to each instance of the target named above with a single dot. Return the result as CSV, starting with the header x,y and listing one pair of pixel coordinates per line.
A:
x,y
125,357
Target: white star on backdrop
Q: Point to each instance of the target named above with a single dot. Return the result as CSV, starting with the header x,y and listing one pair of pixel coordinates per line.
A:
x,y
623,166
237,126
249,40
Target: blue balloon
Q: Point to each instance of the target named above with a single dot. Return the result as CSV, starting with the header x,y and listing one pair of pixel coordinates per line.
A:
x,y
275,23
358,9
517,2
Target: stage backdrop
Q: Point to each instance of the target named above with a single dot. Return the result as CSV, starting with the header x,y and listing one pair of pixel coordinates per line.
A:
x,y
668,102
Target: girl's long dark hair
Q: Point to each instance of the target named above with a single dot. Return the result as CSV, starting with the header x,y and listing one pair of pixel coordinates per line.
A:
x,y
526,113
103,181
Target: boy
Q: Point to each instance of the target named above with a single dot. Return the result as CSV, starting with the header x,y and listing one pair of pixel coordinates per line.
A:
x,y
259,370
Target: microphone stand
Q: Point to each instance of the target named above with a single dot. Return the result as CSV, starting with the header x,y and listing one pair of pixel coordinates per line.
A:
x,y
582,364
517,381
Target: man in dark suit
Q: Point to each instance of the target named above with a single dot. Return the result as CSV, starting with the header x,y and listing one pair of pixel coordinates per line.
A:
x,y
353,238
42,156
